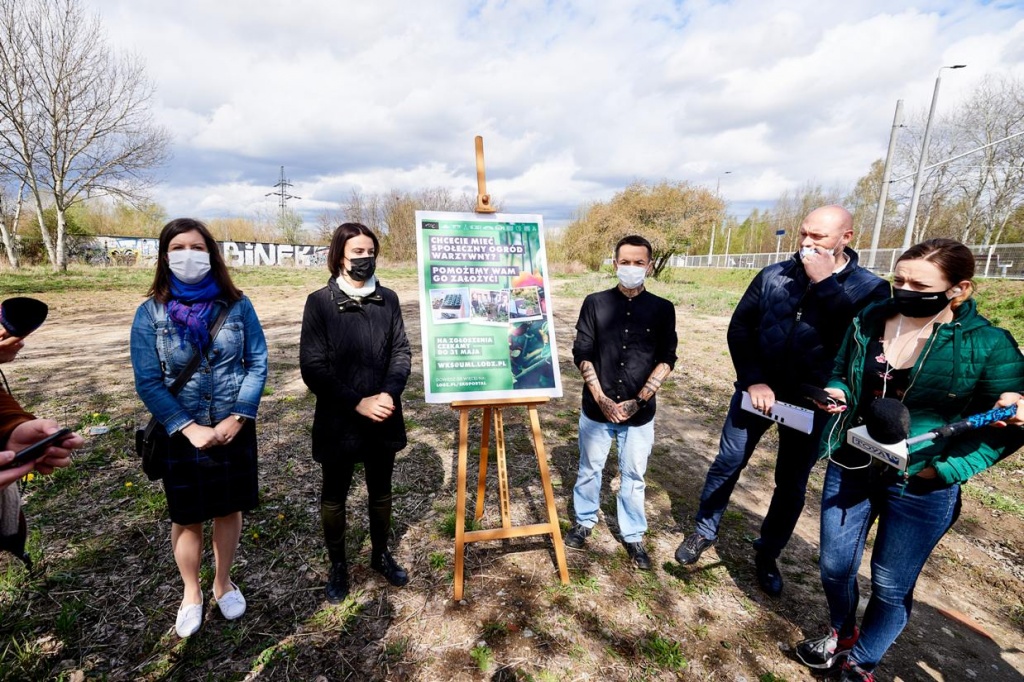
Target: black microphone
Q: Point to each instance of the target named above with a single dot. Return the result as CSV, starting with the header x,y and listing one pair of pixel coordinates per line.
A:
x,y
888,421
21,315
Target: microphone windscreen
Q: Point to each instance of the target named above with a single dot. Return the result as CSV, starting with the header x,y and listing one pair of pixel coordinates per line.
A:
x,y
21,315
888,421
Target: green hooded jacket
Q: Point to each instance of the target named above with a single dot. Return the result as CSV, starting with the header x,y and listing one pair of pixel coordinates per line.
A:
x,y
964,367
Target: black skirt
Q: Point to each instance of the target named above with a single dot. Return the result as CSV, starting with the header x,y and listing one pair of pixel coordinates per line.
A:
x,y
205,484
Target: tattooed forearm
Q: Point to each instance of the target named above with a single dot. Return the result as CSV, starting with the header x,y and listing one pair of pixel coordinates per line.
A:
x,y
654,381
590,375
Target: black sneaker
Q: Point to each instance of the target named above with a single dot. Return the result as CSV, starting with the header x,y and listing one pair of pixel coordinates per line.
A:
x,y
768,575
577,536
825,652
386,565
692,547
337,583
854,673
638,555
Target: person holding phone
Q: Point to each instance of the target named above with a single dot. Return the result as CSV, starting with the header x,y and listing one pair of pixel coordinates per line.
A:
x,y
19,431
929,348
784,332
355,358
211,471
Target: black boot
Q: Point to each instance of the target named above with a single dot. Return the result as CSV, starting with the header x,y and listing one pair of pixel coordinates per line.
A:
x,y
337,583
386,565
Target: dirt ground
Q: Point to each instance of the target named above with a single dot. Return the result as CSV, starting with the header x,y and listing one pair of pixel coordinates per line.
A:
x,y
106,555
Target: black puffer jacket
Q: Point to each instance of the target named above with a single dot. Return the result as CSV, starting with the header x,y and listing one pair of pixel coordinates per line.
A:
x,y
349,351
786,331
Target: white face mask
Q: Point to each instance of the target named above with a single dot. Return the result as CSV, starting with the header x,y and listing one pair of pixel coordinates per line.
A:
x,y
189,266
631,276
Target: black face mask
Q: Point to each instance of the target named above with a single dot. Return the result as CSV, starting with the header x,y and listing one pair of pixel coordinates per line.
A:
x,y
361,269
919,303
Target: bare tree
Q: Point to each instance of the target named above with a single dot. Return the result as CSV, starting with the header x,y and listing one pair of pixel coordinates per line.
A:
x,y
10,218
78,124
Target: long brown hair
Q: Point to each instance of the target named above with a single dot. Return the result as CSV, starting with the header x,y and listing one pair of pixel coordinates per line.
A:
x,y
161,287
953,259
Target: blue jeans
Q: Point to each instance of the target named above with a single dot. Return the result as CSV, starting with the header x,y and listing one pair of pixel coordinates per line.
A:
x,y
796,457
634,445
911,522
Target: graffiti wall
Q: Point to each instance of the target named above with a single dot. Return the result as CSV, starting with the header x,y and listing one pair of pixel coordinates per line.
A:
x,y
143,251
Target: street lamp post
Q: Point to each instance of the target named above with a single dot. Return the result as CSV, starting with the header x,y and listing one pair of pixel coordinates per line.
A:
x,y
711,248
919,180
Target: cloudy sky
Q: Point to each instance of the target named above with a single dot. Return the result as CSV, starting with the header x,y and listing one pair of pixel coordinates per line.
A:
x,y
574,99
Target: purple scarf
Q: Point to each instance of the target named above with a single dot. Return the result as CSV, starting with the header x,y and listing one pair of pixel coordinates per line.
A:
x,y
191,310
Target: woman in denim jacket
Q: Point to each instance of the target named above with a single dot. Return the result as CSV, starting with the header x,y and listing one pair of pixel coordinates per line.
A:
x,y
211,469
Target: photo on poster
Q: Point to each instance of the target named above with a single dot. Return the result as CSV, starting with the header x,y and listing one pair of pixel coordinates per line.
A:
x,y
530,354
526,303
489,306
449,305
487,329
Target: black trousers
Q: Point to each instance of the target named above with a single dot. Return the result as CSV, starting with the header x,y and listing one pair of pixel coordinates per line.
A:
x,y
334,493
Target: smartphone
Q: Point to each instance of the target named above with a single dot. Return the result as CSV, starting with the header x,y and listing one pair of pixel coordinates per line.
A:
x,y
36,450
820,395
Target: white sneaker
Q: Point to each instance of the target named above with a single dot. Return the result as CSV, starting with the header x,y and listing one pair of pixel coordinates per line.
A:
x,y
232,604
190,617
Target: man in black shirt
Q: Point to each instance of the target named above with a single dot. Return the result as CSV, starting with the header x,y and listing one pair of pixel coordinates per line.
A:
x,y
625,348
785,332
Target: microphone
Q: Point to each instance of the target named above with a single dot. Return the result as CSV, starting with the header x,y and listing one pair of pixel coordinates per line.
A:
x,y
21,315
887,421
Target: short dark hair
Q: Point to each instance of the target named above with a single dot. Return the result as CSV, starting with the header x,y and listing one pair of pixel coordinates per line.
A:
x,y
634,240
161,287
342,234
953,259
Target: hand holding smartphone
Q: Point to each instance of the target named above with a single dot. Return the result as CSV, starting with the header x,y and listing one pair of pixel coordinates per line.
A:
x,y
36,450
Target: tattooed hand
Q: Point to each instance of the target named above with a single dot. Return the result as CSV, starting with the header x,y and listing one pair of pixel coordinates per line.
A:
x,y
610,409
629,408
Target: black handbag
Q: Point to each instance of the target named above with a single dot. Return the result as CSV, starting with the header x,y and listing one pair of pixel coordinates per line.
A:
x,y
152,443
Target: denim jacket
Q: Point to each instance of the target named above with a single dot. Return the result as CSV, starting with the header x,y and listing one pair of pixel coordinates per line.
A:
x,y
229,380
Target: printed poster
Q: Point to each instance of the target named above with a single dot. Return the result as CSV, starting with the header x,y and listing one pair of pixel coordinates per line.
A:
x,y
487,326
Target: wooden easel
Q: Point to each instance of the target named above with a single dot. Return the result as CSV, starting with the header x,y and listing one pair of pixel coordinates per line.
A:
x,y
493,410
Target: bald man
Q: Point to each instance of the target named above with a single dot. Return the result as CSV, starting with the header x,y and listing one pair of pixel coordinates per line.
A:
x,y
785,332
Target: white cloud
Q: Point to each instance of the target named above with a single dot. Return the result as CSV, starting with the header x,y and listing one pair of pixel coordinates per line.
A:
x,y
574,99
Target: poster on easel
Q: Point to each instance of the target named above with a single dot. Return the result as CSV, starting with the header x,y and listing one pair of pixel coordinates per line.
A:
x,y
485,316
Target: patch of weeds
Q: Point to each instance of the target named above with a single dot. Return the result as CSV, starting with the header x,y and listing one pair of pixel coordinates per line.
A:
x,y
438,560
770,677
700,631
640,594
993,499
663,653
732,516
699,581
583,583
337,618
447,525
1017,615
273,655
483,656
495,629
66,623
396,649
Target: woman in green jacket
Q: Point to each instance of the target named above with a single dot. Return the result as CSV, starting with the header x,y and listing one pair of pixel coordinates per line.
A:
x,y
929,348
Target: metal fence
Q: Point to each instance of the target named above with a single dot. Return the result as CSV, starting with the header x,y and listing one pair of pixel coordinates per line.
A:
x,y
1003,260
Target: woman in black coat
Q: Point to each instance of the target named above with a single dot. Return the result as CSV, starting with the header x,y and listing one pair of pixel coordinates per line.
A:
x,y
356,359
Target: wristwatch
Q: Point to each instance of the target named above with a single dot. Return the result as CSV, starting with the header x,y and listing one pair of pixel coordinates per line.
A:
x,y
240,419
640,402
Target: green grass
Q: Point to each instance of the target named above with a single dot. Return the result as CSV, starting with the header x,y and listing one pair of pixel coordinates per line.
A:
x,y
995,500
664,653
482,656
